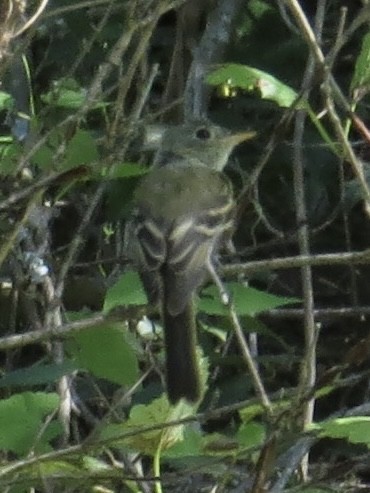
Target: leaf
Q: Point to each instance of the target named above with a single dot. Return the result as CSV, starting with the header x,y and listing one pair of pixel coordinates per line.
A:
x,y
22,419
81,150
128,170
158,412
37,375
106,353
43,157
251,435
128,290
355,429
195,443
252,79
361,75
247,300
6,101
9,157
67,94
189,446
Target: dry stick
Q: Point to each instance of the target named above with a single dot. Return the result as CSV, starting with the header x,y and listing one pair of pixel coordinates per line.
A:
x,y
343,36
53,319
58,12
126,81
33,19
307,375
308,368
331,91
337,45
40,185
360,312
246,353
253,266
210,50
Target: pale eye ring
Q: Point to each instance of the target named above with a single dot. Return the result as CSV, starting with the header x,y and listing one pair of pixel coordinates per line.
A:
x,y
202,133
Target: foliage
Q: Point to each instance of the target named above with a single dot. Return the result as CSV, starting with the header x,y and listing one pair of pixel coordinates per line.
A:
x,y
82,404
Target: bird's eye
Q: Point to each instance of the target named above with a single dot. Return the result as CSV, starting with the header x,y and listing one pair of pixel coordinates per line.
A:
x,y
203,133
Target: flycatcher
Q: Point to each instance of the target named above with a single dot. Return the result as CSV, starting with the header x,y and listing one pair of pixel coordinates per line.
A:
x,y
182,211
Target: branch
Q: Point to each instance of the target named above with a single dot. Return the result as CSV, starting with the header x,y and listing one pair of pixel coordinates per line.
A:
x,y
116,315
211,48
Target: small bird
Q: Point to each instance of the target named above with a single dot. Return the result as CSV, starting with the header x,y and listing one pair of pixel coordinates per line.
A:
x,y
183,210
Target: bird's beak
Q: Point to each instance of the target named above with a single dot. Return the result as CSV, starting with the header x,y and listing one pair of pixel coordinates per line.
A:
x,y
239,137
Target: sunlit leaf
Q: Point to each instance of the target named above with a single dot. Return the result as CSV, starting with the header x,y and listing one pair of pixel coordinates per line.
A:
x,y
159,411
254,80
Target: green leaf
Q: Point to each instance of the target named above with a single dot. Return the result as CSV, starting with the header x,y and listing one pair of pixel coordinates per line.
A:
x,y
81,149
22,419
250,412
259,7
158,412
43,157
128,170
6,101
9,157
195,443
252,79
67,94
247,301
64,98
128,290
268,87
105,352
355,429
189,446
251,435
361,75
37,375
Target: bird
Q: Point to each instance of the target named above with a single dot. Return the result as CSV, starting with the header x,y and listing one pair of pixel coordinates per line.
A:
x,y
182,212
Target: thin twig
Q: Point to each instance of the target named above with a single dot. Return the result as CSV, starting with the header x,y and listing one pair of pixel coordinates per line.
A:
x,y
246,353
33,19
308,368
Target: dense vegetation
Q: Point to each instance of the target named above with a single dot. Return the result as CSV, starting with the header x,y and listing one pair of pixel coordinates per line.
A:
x,y
285,366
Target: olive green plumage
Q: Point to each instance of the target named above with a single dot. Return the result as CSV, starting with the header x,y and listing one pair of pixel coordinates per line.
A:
x,y
182,210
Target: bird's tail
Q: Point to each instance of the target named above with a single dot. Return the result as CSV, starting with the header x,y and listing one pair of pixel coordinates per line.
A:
x,y
183,379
